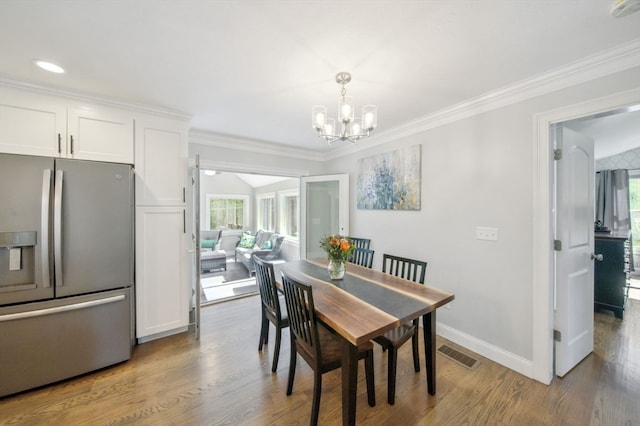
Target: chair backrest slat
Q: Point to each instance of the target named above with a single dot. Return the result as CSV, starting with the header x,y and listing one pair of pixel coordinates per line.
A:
x,y
404,267
266,280
364,243
362,257
302,317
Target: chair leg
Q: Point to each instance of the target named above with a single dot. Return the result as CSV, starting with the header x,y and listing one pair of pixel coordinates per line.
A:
x,y
391,375
368,369
292,366
416,355
317,390
264,331
276,352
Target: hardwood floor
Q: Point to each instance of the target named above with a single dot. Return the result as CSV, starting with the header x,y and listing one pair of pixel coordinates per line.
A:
x,y
223,380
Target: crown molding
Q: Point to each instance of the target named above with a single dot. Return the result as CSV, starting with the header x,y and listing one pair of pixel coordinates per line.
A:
x,y
85,97
618,59
219,140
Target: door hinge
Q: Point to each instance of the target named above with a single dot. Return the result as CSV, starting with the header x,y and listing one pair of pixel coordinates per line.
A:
x,y
557,245
557,336
557,154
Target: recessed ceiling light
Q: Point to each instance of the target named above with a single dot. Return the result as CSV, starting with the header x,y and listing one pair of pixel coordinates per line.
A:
x,y
49,66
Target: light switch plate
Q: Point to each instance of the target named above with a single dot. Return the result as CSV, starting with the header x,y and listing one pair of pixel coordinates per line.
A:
x,y
485,233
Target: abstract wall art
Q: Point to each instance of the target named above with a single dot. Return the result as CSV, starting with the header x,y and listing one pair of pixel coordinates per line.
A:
x,y
390,181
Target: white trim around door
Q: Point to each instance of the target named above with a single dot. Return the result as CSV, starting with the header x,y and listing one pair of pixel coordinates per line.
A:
x,y
542,221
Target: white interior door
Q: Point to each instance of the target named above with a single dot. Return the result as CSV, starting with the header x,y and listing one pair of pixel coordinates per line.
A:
x,y
324,210
575,214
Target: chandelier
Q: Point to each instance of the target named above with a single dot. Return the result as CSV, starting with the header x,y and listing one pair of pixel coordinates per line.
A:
x,y
352,128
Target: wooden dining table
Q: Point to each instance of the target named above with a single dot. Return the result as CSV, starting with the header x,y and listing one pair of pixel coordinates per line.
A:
x,y
363,305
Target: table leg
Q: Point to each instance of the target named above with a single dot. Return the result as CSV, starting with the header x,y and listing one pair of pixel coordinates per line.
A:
x,y
429,327
349,382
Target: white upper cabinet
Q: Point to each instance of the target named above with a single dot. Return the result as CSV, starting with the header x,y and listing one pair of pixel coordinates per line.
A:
x,y
100,134
38,124
161,162
31,124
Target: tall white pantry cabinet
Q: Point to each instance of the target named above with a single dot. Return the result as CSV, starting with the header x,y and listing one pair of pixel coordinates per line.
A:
x,y
162,306
40,122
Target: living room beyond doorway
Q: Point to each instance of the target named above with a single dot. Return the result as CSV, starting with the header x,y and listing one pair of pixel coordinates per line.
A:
x,y
221,285
240,204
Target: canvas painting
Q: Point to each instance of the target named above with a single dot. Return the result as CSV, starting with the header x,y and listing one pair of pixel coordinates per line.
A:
x,y
390,181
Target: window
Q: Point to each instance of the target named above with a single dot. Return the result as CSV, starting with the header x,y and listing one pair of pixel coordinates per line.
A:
x,y
266,209
289,201
227,211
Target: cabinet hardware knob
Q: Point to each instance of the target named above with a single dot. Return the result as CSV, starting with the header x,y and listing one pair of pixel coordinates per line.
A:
x,y
597,257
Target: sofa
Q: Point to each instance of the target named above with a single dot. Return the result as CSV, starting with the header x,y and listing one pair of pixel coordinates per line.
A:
x,y
263,244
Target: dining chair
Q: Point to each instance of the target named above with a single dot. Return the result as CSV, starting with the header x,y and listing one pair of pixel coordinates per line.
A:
x,y
362,257
392,340
272,309
360,242
316,344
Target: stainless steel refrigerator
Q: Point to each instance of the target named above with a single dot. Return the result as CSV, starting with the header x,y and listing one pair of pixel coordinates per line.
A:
x,y
66,268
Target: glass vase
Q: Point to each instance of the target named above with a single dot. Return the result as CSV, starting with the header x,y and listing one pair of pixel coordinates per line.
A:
x,y
336,269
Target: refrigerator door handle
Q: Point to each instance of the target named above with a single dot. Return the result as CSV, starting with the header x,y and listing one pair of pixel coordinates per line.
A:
x,y
58,309
57,228
44,227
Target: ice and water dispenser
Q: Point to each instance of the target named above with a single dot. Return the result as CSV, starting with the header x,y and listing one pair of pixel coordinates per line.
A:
x,y
17,261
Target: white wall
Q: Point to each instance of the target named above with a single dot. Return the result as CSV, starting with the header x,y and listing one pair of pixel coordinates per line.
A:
x,y
476,171
222,153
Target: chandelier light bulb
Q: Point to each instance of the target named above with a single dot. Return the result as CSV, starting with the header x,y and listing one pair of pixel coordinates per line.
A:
x,y
328,128
346,111
356,129
352,128
370,117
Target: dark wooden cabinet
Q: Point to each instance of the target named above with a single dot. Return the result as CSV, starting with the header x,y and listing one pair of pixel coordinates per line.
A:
x,y
611,273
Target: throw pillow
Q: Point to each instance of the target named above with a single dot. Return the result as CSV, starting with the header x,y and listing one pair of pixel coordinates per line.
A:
x,y
207,243
247,241
266,245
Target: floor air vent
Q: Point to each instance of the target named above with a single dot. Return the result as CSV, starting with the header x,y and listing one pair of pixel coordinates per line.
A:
x,y
459,357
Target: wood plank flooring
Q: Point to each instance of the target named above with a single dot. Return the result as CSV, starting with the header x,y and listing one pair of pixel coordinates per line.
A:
x,y
223,380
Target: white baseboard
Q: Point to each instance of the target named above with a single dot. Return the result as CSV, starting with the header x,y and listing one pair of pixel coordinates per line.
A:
x,y
487,350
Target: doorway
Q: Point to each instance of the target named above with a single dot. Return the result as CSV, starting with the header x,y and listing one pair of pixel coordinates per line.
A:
x,y
234,206
543,296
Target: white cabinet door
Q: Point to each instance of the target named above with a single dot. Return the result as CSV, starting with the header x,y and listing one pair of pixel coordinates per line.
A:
x,y
48,126
100,134
31,124
162,305
161,162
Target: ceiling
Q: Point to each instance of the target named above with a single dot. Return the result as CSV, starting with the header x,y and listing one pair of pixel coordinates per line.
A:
x,y
253,69
258,181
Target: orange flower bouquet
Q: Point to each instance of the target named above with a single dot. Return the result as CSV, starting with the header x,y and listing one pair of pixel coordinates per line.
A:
x,y
338,250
